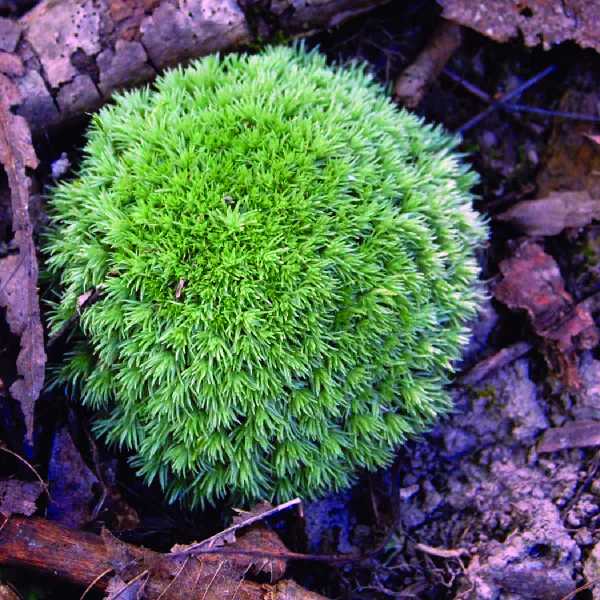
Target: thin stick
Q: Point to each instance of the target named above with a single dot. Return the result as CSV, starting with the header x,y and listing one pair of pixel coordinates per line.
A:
x,y
500,103
95,581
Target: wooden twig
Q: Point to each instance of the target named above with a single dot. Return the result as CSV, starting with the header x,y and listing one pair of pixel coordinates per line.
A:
x,y
83,558
412,84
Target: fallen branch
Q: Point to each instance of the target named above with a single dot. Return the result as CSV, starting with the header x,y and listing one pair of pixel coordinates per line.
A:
x,y
412,84
67,58
84,558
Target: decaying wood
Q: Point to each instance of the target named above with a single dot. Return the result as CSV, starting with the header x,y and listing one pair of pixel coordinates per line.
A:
x,y
80,557
68,57
412,84
576,434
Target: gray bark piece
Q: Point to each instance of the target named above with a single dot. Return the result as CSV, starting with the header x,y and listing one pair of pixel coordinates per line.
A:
x,y
124,67
38,106
79,96
197,27
76,26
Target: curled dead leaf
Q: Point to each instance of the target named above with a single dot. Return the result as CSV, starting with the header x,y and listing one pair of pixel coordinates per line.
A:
x,y
531,281
549,216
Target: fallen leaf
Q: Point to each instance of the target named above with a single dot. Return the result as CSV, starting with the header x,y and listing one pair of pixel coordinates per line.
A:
x,y
578,434
19,272
531,281
177,577
549,216
256,538
133,590
265,540
19,497
71,484
569,162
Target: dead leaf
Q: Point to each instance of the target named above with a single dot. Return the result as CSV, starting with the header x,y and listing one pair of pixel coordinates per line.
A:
x,y
531,281
19,272
259,538
71,484
569,161
19,497
177,577
536,20
578,434
133,590
549,216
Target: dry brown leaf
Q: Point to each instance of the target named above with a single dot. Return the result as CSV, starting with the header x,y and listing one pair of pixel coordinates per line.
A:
x,y
536,20
531,281
177,577
133,590
19,497
264,540
578,434
19,272
549,216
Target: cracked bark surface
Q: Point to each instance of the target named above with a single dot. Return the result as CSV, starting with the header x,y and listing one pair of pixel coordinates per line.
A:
x,y
67,58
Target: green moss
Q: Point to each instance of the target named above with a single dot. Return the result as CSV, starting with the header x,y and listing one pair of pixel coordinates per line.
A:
x,y
286,266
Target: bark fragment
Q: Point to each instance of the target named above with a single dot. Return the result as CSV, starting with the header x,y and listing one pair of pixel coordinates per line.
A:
x,y
78,53
19,272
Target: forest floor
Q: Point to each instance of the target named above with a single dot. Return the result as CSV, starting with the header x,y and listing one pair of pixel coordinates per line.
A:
x,y
500,501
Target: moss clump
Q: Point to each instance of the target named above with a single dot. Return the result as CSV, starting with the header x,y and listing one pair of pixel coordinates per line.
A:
x,y
286,266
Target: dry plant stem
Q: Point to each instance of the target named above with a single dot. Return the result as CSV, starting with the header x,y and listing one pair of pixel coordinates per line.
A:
x,y
81,557
412,84
44,484
585,586
105,46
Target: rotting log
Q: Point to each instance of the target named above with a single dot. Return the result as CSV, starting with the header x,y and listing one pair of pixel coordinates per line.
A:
x,y
67,57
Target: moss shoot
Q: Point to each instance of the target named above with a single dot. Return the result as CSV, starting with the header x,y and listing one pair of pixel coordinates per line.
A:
x,y
286,267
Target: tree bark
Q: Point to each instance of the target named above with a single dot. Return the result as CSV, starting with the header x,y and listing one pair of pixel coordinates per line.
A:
x,y
68,57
